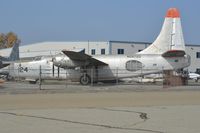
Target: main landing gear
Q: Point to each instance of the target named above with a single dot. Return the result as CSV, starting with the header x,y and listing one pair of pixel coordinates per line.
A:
x,y
89,75
85,79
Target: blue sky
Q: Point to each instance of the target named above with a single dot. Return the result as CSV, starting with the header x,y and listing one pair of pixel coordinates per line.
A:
x,y
96,20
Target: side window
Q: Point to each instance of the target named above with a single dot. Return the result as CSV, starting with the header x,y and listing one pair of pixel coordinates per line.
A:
x,y
197,54
139,50
198,70
120,51
103,51
133,65
93,52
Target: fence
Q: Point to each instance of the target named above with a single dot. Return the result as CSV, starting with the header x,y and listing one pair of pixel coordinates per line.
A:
x,y
96,77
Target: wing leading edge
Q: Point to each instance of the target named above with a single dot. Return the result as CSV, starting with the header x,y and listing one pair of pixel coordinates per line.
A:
x,y
78,56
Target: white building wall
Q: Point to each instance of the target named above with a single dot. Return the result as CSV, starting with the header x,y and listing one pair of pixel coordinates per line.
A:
x,y
130,48
195,62
52,48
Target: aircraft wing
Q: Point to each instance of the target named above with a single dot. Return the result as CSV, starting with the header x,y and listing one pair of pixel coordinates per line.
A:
x,y
78,56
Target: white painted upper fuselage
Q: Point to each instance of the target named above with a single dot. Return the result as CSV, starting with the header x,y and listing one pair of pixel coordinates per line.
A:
x,y
118,65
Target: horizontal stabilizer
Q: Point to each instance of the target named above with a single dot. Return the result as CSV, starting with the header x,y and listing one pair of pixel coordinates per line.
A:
x,y
174,53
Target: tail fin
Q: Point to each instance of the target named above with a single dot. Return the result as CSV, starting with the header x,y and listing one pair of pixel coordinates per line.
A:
x,y
170,37
14,55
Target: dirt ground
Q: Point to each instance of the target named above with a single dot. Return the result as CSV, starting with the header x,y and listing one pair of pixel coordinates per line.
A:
x,y
109,109
101,99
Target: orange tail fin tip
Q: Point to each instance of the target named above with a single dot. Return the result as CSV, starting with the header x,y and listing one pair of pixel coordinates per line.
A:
x,y
173,13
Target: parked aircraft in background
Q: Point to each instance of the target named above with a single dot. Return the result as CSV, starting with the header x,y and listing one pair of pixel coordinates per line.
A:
x,y
166,53
194,76
41,67
5,61
14,55
32,70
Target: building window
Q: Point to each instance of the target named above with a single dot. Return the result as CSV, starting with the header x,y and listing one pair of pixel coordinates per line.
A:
x,y
120,51
103,51
93,51
198,70
198,54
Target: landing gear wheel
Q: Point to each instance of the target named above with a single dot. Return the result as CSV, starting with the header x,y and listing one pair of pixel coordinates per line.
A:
x,y
33,82
85,79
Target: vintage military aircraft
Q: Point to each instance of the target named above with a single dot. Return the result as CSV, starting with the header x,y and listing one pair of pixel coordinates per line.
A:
x,y
167,52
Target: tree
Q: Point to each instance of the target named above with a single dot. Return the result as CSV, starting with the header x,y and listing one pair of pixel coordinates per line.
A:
x,y
11,39
2,40
8,40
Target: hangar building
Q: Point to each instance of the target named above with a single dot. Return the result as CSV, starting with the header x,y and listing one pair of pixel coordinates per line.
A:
x,y
98,48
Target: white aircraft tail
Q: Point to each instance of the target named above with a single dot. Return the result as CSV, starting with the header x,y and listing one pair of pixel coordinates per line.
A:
x,y
170,38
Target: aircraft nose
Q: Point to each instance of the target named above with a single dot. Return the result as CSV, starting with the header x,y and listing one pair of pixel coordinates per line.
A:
x,y
56,59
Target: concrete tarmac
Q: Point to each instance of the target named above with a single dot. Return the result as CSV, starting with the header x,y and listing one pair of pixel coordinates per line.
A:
x,y
105,109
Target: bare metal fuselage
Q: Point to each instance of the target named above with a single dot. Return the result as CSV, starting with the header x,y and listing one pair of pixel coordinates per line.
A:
x,y
118,65
121,66
117,68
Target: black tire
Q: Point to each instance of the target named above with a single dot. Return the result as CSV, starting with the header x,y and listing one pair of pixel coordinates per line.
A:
x,y
85,80
33,82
